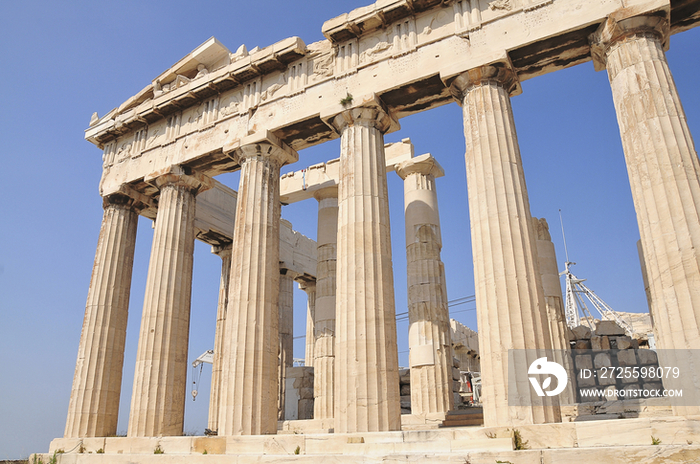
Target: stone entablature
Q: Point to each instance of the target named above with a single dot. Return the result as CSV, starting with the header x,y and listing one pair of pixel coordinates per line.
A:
x,y
400,50
302,185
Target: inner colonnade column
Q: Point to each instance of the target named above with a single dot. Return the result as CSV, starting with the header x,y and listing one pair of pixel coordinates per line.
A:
x,y
158,398
324,317
309,287
511,312
94,403
249,390
430,355
551,284
224,252
366,390
286,333
664,174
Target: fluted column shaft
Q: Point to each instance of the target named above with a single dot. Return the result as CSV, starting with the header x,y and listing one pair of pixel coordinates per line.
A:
x,y
366,369
664,174
310,290
160,378
554,305
551,285
429,341
224,252
286,334
324,320
510,304
250,359
94,403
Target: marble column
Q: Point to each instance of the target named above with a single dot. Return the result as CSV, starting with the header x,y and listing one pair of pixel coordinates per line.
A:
x,y
511,312
160,377
309,287
554,304
429,341
664,174
94,402
250,357
224,252
551,285
286,333
324,320
366,391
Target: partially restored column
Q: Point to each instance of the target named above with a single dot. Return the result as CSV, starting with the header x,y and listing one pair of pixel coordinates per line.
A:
x,y
430,355
250,356
554,304
224,252
94,402
511,312
551,284
366,377
324,320
309,287
160,377
664,174
286,333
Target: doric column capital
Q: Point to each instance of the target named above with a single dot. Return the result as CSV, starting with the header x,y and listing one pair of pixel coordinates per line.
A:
x,y
180,176
327,193
625,23
262,144
367,110
127,197
425,164
222,251
500,72
287,272
307,285
117,199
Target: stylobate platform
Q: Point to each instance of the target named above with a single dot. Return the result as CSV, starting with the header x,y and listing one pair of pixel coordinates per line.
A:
x,y
648,440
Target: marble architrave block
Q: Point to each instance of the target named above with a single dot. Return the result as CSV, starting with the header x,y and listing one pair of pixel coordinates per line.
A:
x,y
366,390
160,378
94,403
429,327
250,352
664,173
511,310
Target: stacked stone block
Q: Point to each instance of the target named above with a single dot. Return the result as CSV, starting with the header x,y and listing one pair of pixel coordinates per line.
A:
x,y
299,392
405,387
605,353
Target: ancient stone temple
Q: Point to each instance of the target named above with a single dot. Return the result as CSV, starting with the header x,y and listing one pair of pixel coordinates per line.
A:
x,y
217,111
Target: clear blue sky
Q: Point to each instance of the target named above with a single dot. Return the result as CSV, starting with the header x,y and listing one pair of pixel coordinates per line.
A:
x,y
64,60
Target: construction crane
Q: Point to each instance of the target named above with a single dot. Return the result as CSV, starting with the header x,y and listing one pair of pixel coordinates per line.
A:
x,y
575,304
206,357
